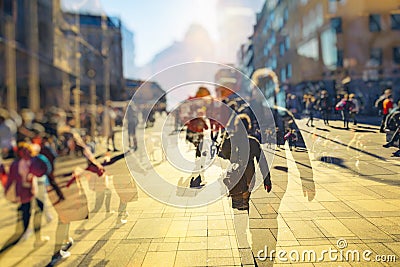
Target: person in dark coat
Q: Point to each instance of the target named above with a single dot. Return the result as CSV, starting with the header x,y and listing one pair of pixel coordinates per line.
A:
x,y
241,174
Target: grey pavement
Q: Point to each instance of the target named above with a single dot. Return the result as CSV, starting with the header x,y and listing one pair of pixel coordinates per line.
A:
x,y
342,193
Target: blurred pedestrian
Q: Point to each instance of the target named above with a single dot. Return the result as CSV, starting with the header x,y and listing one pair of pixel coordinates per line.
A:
x,y
379,104
132,120
109,117
22,177
324,106
309,109
356,108
345,106
240,175
7,137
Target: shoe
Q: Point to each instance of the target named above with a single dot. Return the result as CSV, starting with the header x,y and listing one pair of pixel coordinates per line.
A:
x,y
382,131
59,256
387,145
26,235
49,217
195,182
396,154
67,245
43,240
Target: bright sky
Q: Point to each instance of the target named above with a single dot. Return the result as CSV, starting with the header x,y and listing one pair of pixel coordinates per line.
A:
x,y
158,23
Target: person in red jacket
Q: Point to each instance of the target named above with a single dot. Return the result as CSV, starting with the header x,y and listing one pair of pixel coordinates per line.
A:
x,y
22,175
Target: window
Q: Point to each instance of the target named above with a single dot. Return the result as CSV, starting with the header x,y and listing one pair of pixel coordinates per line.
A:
x,y
289,70
395,21
283,74
376,55
339,62
336,24
287,43
396,55
281,48
374,23
274,62
8,7
285,15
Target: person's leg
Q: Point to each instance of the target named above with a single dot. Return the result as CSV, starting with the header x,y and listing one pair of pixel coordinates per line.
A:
x,y
62,235
99,201
55,186
107,193
113,141
37,221
382,128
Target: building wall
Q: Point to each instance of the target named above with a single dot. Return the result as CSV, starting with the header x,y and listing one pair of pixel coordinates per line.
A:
x,y
297,39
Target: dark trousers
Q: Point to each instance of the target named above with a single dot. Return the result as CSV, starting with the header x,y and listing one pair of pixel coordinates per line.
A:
x,y
55,186
325,116
346,118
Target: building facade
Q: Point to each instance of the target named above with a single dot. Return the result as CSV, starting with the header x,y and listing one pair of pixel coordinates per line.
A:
x,y
32,69
338,45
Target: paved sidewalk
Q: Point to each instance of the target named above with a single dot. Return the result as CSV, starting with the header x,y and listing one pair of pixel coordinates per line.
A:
x,y
344,188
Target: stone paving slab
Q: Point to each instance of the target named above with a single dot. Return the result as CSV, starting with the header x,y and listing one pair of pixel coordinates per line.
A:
x,y
356,201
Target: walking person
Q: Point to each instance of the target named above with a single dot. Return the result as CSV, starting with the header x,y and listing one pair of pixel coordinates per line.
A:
x,y
132,120
22,178
356,108
109,117
324,106
345,106
310,109
379,104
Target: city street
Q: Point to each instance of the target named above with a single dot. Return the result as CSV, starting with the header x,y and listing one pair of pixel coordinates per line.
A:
x,y
341,194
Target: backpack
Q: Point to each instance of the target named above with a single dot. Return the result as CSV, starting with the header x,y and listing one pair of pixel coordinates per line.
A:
x,y
40,166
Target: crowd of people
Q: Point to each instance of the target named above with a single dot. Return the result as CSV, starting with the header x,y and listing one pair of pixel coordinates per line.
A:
x,y
347,107
31,142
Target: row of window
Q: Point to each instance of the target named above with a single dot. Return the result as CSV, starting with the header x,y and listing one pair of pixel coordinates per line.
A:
x,y
286,72
376,55
374,23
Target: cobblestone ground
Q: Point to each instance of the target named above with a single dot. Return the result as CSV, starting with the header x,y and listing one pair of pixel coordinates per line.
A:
x,y
341,194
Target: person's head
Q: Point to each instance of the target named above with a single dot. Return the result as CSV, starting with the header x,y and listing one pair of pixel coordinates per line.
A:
x,y
388,92
352,96
24,150
346,97
324,93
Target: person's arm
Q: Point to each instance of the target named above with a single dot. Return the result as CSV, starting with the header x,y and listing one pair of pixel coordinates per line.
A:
x,y
263,164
